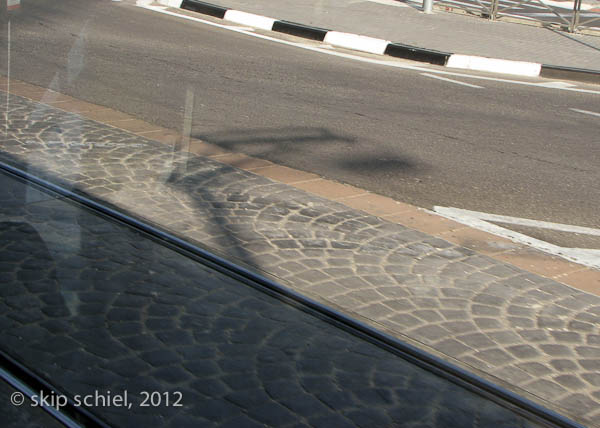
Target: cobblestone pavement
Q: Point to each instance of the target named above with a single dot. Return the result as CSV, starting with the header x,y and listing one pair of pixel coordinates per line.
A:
x,y
92,305
524,331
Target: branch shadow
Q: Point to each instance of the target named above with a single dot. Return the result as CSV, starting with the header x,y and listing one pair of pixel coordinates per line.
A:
x,y
573,39
343,152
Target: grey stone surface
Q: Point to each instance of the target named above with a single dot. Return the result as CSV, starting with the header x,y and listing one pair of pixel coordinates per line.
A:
x,y
500,318
237,356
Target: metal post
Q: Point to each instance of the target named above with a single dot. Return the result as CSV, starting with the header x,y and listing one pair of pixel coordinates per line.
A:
x,y
428,6
7,82
493,10
575,18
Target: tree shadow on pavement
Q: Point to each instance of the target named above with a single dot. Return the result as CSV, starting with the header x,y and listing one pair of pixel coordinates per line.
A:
x,y
297,146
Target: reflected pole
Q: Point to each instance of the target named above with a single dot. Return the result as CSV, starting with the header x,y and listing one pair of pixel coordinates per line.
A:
x,y
188,116
7,81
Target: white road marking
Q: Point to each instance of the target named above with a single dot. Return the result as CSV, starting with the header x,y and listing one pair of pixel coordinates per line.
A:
x,y
478,220
526,222
591,113
450,80
395,64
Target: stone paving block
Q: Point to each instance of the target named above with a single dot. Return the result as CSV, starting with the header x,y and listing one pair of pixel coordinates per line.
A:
x,y
523,351
485,324
400,305
546,388
428,315
521,322
513,374
569,381
588,317
476,340
495,357
588,351
430,332
376,311
592,378
485,310
580,401
459,327
556,350
566,336
564,365
535,369
451,346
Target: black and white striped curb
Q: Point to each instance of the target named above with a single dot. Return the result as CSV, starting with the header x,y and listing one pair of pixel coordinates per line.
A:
x,y
386,47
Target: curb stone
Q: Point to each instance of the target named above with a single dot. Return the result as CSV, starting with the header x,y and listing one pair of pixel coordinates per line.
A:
x,y
385,47
200,7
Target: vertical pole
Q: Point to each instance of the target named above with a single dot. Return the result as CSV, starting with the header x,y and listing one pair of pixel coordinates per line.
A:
x,y
575,18
428,6
493,10
186,133
7,82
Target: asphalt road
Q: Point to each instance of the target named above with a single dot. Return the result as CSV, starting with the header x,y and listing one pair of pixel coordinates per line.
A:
x,y
507,149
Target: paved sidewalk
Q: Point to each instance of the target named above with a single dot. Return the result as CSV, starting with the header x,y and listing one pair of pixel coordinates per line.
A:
x,y
95,307
529,333
447,32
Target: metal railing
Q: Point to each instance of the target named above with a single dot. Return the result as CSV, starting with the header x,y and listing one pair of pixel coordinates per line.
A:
x,y
546,12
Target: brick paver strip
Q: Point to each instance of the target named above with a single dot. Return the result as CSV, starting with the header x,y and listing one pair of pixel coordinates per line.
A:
x,y
94,306
584,279
411,284
536,261
428,223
